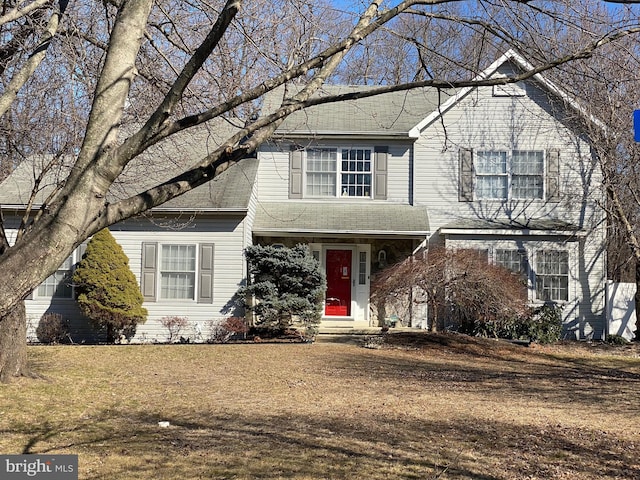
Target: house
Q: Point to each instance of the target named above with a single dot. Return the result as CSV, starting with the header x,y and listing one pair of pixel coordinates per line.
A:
x,y
368,182
498,169
187,254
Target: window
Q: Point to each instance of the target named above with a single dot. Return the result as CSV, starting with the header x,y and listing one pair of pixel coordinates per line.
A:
x,y
331,172
552,275
518,174
321,172
514,260
362,268
58,284
178,272
491,175
356,173
527,170
351,177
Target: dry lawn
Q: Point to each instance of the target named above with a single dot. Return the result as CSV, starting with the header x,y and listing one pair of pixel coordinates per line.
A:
x,y
421,407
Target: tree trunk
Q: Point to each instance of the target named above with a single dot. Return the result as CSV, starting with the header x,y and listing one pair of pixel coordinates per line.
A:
x,y
637,301
13,343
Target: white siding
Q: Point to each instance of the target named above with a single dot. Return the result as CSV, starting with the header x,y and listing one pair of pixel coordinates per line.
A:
x,y
227,233
482,121
273,172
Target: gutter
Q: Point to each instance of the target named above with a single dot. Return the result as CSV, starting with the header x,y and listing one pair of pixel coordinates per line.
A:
x,y
207,210
342,233
513,232
344,134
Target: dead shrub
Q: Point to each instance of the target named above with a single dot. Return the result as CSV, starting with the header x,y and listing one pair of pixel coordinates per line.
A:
x,y
53,328
460,288
174,325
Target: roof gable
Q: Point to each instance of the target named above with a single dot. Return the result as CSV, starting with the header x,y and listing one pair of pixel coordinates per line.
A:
x,y
395,114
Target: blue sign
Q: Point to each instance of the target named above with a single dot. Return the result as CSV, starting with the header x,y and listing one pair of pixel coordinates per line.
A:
x,y
636,125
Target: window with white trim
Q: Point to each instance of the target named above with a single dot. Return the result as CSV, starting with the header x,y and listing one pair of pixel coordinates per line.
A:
x,y
58,284
177,271
344,172
552,275
501,175
514,260
362,268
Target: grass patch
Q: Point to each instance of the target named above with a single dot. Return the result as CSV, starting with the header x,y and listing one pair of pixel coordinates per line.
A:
x,y
420,407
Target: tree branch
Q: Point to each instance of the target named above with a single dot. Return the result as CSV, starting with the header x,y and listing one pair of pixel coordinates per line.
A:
x,y
21,76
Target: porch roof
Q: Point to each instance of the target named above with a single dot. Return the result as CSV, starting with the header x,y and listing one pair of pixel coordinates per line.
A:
x,y
338,219
531,226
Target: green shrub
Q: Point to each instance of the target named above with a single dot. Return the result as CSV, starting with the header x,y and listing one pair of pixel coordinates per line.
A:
x,y
108,293
617,340
545,325
541,325
52,328
284,283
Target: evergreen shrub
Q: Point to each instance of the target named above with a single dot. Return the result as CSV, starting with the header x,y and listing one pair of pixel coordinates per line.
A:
x,y
108,293
542,325
617,340
284,284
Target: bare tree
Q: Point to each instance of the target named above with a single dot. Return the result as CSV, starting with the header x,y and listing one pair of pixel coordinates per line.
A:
x,y
459,287
167,66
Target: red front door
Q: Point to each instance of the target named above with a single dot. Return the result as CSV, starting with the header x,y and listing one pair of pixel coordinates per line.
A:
x,y
338,301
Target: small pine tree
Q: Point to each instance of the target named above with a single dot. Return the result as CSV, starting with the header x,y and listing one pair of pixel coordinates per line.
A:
x,y
284,282
108,293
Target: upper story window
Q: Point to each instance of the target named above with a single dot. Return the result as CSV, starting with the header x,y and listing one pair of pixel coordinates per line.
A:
x,y
518,174
509,175
345,172
331,172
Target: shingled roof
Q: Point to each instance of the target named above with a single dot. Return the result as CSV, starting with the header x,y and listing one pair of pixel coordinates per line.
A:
x,y
392,114
228,192
332,218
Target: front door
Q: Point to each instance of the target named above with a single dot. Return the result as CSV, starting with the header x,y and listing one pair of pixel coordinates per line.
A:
x,y
338,268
